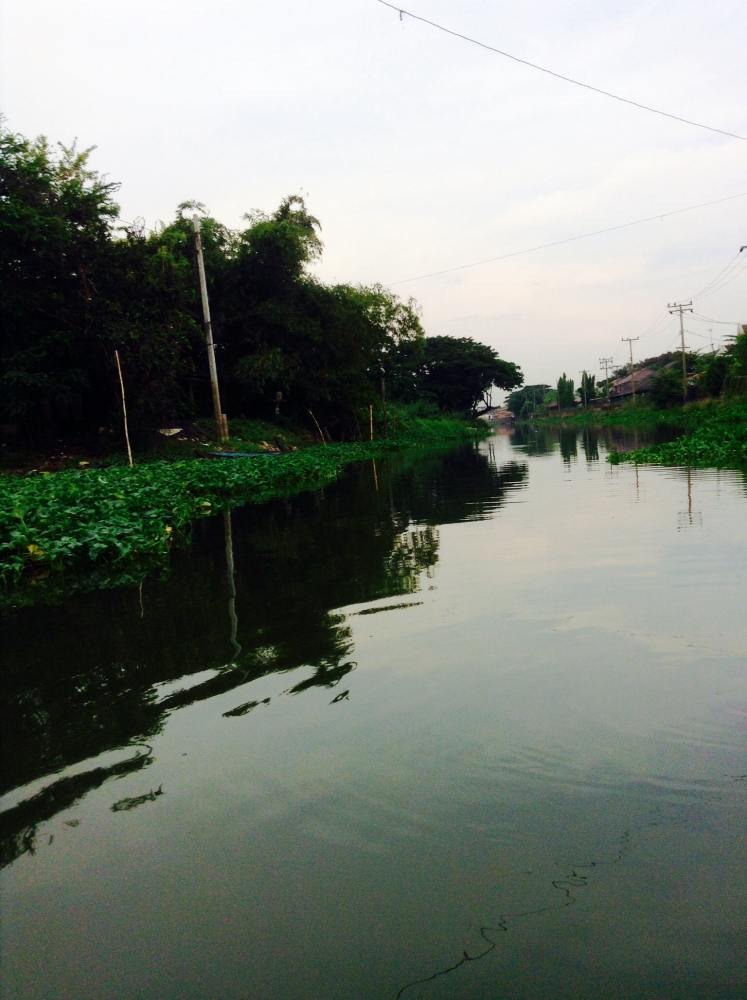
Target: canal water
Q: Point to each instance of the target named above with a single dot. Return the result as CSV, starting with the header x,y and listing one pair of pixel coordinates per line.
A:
x,y
462,725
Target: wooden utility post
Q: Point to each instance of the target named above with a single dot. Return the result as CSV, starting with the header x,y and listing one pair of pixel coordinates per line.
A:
x,y
632,376
682,307
221,424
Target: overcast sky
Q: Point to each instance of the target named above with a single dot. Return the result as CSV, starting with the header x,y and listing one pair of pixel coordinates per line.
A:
x,y
419,152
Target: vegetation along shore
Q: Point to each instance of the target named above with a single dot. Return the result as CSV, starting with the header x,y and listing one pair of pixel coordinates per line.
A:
x,y
113,523
103,344
699,401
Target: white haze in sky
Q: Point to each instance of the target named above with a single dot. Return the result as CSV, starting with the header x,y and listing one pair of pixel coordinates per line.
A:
x,y
420,152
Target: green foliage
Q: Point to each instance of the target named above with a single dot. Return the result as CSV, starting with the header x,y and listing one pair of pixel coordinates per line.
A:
x,y
717,438
458,373
119,516
56,217
566,396
736,379
715,374
666,388
77,287
587,390
524,402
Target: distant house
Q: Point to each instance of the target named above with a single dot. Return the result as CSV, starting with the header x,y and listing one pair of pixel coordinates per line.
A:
x,y
622,388
499,415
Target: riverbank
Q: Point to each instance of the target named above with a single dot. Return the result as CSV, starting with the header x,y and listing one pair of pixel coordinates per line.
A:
x,y
710,434
715,437
638,415
116,523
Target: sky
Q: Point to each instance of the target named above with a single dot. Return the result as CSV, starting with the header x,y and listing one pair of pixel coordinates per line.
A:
x,y
419,152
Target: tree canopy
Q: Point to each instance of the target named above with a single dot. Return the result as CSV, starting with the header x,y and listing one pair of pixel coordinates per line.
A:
x,y
78,284
459,372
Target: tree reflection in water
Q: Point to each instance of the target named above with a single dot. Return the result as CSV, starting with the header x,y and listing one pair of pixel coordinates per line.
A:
x,y
254,595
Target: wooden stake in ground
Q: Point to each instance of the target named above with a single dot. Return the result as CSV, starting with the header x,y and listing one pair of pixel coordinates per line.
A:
x,y
321,432
124,408
370,421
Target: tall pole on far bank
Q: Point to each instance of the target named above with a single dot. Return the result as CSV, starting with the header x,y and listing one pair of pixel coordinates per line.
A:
x,y
632,376
682,307
605,363
220,422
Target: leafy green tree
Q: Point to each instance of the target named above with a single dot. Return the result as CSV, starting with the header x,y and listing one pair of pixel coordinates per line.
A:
x,y
56,219
566,396
525,401
77,286
587,390
666,387
715,374
149,313
736,381
458,372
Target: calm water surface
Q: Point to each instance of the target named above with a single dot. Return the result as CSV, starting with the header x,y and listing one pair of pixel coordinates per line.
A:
x,y
465,725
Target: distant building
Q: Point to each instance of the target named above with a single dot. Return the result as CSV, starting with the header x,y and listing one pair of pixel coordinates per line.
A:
x,y
622,388
497,416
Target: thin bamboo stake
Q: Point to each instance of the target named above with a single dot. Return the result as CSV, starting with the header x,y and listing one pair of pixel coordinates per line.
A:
x,y
321,432
370,421
124,409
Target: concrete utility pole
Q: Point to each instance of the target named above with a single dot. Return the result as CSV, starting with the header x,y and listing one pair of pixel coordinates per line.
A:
x,y
682,307
632,376
606,363
220,420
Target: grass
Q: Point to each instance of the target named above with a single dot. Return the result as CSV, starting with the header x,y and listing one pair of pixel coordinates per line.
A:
x,y
115,523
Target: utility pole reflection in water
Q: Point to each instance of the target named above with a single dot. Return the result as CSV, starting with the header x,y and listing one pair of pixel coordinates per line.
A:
x,y
231,578
689,517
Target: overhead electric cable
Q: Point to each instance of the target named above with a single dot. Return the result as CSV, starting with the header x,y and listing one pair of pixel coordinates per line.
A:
x,y
724,277
700,318
569,239
567,79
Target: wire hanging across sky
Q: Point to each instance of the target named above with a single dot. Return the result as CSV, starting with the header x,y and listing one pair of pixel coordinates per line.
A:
x,y
736,267
568,239
567,79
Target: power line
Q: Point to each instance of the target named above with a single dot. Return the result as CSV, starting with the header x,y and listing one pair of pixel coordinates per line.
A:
x,y
567,79
700,318
724,277
569,239
657,328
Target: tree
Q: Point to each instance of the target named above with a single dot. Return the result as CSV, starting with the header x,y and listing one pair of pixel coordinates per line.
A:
x,y
56,219
587,390
77,286
458,372
566,395
524,402
715,374
666,387
737,351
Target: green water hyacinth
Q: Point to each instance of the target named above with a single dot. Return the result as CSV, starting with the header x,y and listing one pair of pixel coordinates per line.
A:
x,y
105,521
718,439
